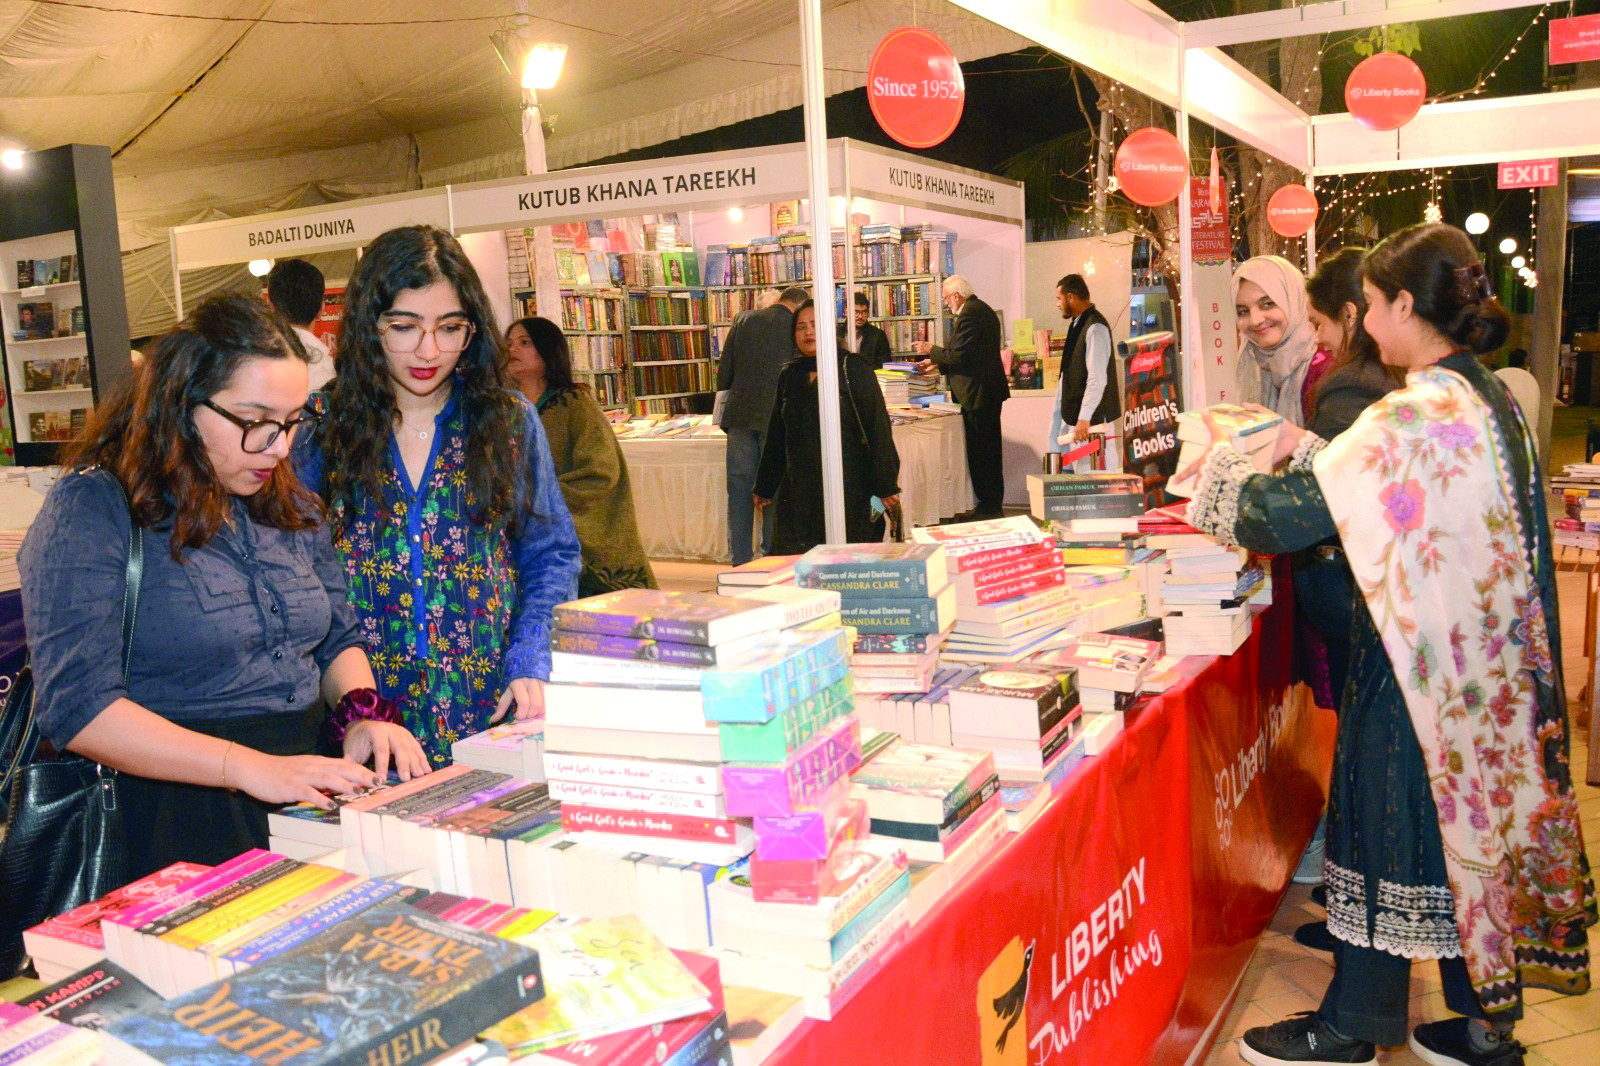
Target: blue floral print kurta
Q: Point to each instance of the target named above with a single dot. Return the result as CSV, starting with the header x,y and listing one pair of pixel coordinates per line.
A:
x,y
450,609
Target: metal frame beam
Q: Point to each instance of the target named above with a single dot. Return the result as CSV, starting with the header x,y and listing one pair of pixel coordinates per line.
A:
x,y
1330,18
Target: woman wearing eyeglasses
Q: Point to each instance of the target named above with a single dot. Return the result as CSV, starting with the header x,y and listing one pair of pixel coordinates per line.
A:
x,y
443,499
242,638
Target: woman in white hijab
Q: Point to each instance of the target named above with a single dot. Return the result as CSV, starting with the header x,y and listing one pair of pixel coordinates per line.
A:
x,y
1269,299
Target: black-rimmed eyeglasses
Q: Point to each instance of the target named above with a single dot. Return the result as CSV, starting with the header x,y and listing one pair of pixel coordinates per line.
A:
x,y
262,433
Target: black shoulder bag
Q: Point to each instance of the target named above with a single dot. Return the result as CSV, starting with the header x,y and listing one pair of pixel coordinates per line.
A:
x,y
64,844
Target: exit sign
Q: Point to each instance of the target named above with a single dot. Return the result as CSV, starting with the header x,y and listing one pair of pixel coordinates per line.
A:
x,y
1529,173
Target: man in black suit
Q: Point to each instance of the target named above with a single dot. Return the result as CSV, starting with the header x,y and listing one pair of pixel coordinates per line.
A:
x,y
872,344
978,383
758,345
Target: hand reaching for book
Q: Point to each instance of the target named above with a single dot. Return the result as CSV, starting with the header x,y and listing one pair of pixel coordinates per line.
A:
x,y
526,694
309,779
383,743
1289,435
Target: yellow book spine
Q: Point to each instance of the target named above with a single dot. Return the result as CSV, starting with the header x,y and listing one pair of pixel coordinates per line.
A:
x,y
192,934
335,882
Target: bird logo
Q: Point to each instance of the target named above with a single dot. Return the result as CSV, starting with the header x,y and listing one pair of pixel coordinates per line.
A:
x,y
1009,1006
1002,1004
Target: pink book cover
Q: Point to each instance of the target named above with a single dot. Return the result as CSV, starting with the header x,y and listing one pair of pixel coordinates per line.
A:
x,y
226,874
81,925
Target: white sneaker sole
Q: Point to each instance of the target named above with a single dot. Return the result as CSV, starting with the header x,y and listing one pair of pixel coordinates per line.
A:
x,y
1256,1058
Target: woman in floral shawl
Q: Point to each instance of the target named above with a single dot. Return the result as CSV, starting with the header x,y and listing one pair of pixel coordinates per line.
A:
x,y
1453,829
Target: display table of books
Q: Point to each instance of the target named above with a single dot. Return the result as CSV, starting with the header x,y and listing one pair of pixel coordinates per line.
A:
x,y
1113,928
680,487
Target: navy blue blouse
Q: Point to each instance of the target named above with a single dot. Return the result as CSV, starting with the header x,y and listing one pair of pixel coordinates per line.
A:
x,y
243,626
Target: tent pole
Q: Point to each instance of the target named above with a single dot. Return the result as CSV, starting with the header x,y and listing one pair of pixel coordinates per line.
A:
x,y
816,121
1189,308
546,284
177,274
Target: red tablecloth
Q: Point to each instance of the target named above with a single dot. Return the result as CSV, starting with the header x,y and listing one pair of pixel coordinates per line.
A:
x,y
1128,910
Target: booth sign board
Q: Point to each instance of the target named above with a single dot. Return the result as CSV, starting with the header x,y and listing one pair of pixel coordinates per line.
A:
x,y
1575,40
350,224
1529,174
757,175
898,177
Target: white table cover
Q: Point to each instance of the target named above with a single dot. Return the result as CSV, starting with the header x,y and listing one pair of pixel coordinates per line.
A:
x,y
680,486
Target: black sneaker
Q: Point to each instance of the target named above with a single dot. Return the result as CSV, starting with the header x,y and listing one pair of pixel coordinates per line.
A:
x,y
1447,1043
1315,936
1302,1038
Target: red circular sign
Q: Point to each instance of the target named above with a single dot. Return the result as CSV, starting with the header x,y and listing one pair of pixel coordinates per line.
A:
x,y
1385,91
1292,210
915,87
1151,167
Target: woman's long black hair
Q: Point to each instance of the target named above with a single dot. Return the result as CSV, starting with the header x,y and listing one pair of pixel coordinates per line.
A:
x,y
361,408
551,344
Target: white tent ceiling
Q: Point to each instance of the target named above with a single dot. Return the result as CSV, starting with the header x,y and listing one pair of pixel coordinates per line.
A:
x,y
225,107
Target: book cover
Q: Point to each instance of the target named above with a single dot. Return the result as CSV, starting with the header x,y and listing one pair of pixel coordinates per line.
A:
x,y
920,614
36,320
93,997
921,782
880,571
602,976
634,773
651,1045
392,981
577,818
990,532
684,617
1090,505
767,570
24,273
642,649
1030,582
1094,483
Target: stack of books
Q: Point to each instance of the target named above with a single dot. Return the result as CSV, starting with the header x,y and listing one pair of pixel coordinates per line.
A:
x,y
887,590
937,804
758,573
821,952
258,907
1111,673
920,717
1578,525
476,833
391,981
1253,433
74,940
1207,595
895,383
514,747
1087,503
1581,476
1028,716
1010,587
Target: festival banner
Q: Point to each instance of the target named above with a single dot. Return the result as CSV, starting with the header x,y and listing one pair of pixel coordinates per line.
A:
x,y
1152,398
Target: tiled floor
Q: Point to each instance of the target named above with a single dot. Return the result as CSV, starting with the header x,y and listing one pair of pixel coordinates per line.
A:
x,y
1558,1030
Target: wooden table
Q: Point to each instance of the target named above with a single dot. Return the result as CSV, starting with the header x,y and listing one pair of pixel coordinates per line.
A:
x,y
1582,560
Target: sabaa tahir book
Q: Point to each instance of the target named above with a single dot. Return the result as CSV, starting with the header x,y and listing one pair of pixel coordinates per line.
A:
x,y
391,985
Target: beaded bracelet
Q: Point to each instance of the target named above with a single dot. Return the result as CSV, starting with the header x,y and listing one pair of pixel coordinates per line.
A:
x,y
360,704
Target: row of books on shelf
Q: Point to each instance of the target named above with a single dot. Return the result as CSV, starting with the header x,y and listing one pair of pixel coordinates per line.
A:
x,y
596,354
666,309
658,345
37,320
51,271
65,372
884,250
651,380
57,426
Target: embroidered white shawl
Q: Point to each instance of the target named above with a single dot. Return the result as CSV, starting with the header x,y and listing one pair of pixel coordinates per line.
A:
x,y
1421,490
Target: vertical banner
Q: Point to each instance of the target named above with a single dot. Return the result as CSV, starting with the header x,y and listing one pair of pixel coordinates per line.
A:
x,y
1210,370
1152,398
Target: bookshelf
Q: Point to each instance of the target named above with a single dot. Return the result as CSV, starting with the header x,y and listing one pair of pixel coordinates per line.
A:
x,y
595,322
669,342
63,317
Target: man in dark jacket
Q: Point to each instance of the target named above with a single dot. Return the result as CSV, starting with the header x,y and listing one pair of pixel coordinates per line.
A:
x,y
978,383
1088,389
872,344
758,345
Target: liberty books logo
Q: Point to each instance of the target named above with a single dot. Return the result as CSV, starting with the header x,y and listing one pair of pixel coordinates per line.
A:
x,y
1003,1006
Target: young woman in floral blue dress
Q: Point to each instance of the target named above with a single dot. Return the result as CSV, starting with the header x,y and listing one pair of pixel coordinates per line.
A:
x,y
445,507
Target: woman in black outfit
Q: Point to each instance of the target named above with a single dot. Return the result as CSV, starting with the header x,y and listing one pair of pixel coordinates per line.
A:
x,y
791,460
